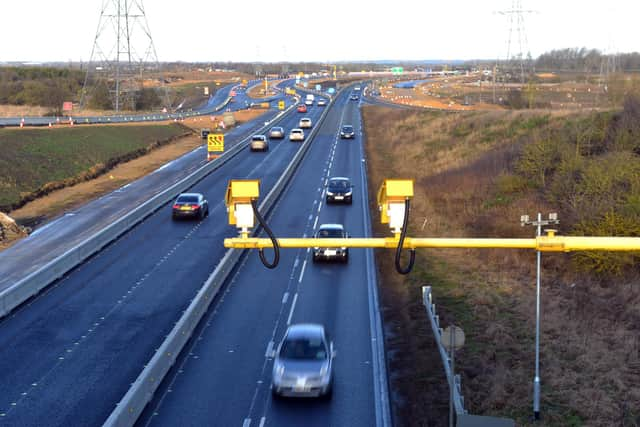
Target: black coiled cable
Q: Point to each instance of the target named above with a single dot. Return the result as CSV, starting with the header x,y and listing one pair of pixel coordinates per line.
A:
x,y
403,233
276,248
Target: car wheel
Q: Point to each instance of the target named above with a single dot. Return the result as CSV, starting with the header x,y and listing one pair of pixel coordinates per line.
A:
x,y
315,258
201,214
329,394
206,212
275,394
346,258
349,200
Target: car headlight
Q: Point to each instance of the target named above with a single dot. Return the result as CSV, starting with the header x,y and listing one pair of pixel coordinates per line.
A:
x,y
329,193
348,193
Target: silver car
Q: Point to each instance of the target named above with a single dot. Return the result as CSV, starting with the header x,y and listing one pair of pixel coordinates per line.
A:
x,y
305,123
259,142
331,231
303,363
276,132
296,135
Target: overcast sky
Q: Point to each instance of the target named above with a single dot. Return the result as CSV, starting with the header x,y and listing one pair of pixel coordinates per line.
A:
x,y
328,30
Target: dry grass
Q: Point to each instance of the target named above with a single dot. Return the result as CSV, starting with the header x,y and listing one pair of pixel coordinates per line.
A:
x,y
22,110
590,347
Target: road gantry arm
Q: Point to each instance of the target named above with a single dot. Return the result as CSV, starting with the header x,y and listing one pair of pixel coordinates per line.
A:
x,y
542,243
392,201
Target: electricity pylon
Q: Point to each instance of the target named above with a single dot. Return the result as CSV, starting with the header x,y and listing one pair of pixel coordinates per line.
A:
x,y
123,50
517,57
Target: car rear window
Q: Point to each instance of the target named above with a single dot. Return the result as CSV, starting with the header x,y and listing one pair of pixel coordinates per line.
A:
x,y
340,184
187,199
258,138
330,232
303,349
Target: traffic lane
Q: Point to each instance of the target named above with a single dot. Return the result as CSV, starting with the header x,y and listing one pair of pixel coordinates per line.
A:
x,y
116,280
187,278
217,377
336,295
268,296
67,231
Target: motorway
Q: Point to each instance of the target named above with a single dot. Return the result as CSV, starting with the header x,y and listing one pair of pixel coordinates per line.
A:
x,y
65,232
69,354
223,378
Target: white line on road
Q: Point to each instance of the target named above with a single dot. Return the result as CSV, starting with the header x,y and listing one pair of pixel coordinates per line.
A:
x,y
247,422
285,297
304,265
293,307
262,420
315,223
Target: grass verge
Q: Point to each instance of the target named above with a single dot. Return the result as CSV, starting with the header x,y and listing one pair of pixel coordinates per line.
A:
x,y
34,162
467,185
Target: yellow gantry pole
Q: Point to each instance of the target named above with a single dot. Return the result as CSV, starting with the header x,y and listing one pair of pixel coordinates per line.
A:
x,y
548,243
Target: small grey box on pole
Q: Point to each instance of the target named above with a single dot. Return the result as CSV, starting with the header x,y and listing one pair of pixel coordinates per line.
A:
x,y
452,339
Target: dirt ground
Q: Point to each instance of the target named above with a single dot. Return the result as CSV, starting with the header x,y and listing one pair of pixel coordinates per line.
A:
x,y
257,91
421,96
468,93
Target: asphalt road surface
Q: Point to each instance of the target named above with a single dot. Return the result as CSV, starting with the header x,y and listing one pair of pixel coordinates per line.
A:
x,y
223,378
69,354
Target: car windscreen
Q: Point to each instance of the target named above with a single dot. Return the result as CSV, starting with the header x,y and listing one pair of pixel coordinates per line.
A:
x,y
187,199
329,233
348,129
304,349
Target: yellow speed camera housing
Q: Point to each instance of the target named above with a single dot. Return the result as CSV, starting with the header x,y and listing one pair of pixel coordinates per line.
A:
x,y
391,201
240,193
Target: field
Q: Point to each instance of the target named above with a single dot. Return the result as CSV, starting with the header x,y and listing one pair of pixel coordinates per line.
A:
x,y
34,162
565,91
66,197
475,174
